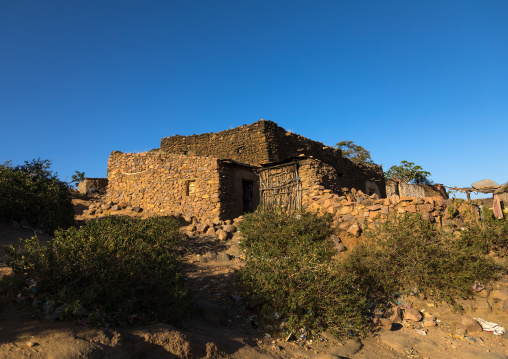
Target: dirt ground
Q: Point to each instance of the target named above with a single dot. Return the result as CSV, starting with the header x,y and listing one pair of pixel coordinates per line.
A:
x,y
223,327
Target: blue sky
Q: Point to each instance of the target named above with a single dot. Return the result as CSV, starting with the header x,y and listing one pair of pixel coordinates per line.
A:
x,y
421,81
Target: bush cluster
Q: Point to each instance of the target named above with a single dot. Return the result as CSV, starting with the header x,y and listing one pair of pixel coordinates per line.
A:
x,y
33,193
409,254
118,265
289,263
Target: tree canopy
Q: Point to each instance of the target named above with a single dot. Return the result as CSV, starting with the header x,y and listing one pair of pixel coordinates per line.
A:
x,y
357,154
409,172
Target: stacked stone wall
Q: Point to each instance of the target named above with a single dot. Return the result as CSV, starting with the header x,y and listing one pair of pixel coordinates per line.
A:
x,y
167,184
354,212
245,144
100,184
413,190
283,145
265,142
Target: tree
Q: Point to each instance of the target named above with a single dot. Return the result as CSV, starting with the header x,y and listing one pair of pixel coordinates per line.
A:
x,y
77,178
32,192
357,154
409,173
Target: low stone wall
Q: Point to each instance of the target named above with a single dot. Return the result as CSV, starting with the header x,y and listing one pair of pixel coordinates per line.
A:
x,y
413,190
88,183
353,211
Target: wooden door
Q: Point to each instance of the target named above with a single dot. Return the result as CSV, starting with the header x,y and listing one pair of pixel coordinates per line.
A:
x,y
280,186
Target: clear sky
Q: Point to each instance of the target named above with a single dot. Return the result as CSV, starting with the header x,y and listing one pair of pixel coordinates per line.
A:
x,y
421,81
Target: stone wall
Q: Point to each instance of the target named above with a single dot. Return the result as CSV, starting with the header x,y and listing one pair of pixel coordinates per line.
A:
x,y
205,188
413,190
167,183
265,142
100,184
245,144
353,211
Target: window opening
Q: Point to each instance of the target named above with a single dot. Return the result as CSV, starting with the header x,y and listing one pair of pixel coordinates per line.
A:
x,y
191,187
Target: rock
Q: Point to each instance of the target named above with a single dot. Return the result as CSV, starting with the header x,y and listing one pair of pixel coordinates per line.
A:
x,y
137,209
106,206
497,296
354,230
229,228
208,257
469,325
412,314
115,207
401,343
384,323
222,257
15,224
429,323
222,234
210,231
396,316
202,227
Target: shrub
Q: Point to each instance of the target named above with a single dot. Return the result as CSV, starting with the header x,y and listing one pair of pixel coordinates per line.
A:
x,y
491,234
117,264
288,263
408,253
277,233
33,193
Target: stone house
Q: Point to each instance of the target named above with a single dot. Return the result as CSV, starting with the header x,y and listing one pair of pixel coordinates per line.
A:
x,y
219,176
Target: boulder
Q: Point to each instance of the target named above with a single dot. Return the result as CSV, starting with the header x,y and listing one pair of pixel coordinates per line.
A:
x,y
354,230
229,228
396,316
223,257
222,234
412,314
202,227
469,325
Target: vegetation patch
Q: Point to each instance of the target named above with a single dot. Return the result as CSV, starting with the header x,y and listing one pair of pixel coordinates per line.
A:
x,y
106,271
409,254
32,192
289,263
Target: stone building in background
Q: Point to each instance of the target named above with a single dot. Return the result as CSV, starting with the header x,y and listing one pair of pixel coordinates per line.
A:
x,y
215,176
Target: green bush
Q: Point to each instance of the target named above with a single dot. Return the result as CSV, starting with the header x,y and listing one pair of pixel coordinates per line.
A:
x,y
491,234
289,263
408,254
33,193
277,233
118,265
